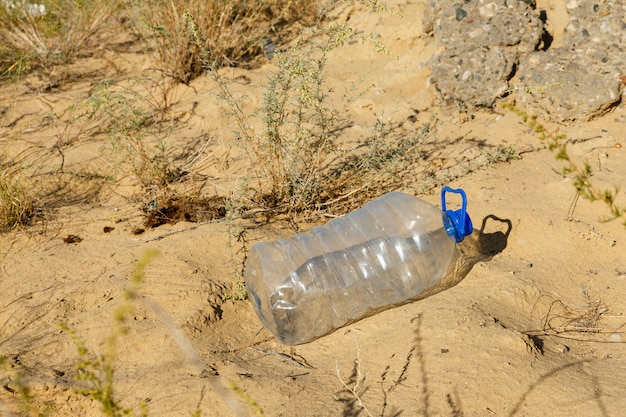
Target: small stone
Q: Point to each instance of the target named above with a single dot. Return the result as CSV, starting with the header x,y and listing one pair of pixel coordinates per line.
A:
x,y
460,14
488,10
605,27
269,47
475,33
72,239
562,348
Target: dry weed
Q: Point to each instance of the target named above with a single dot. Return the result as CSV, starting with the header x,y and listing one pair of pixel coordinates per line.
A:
x,y
562,318
353,389
48,32
234,31
18,204
296,165
569,321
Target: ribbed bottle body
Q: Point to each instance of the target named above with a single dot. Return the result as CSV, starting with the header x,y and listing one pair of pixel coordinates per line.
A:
x,y
387,252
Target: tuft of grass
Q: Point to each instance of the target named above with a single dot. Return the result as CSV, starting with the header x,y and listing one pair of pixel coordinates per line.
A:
x,y
557,143
18,204
235,31
49,32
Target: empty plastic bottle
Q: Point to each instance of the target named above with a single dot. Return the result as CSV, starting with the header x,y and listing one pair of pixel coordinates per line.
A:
x,y
379,256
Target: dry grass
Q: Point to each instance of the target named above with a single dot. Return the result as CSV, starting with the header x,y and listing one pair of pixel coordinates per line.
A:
x,y
564,318
49,32
295,162
42,35
46,33
234,31
18,204
588,321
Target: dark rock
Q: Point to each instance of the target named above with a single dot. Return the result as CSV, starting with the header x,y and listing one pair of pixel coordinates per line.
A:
x,y
460,14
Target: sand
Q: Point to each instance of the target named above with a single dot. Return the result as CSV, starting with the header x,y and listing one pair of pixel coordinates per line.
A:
x,y
537,327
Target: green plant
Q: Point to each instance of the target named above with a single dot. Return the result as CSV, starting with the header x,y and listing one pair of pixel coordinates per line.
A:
x,y
503,153
557,143
258,411
240,293
97,371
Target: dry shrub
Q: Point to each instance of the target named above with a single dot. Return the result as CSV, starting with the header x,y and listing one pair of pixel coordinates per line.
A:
x,y
48,32
34,182
561,318
297,165
233,30
18,207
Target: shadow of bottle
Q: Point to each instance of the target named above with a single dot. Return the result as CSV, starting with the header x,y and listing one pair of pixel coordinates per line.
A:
x,y
480,246
485,246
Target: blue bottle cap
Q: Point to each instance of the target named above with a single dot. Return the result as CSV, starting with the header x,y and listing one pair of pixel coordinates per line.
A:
x,y
459,224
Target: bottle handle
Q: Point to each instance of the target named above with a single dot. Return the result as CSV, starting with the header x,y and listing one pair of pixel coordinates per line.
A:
x,y
460,222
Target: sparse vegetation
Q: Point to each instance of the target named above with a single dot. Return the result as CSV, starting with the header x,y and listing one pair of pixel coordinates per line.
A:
x,y
96,371
581,175
135,146
233,31
284,159
290,141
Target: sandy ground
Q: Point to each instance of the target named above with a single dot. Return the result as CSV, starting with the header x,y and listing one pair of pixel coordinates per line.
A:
x,y
537,327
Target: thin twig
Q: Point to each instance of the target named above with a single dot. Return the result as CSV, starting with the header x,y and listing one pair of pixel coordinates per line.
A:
x,y
284,357
359,379
173,232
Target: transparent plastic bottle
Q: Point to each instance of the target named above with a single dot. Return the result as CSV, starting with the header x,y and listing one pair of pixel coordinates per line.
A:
x,y
379,256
